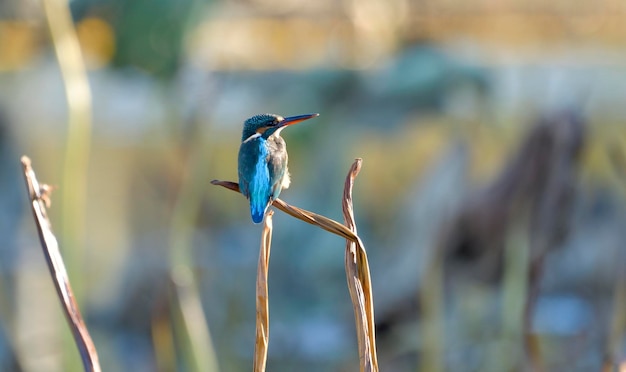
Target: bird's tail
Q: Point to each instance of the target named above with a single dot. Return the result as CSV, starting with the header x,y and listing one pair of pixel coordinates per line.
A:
x,y
257,210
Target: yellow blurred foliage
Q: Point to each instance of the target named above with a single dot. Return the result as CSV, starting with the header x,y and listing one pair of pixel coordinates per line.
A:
x,y
18,44
400,158
604,142
268,44
97,42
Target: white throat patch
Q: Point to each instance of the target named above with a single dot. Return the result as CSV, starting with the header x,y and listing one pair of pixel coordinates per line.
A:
x,y
255,135
277,132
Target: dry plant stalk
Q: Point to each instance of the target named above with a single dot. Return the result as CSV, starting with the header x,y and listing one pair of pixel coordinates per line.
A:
x,y
78,138
617,326
301,214
262,299
357,269
359,281
38,198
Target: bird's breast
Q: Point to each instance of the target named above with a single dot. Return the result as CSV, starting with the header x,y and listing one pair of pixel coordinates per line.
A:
x,y
276,144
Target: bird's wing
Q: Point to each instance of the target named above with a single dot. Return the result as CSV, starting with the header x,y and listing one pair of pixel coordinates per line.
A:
x,y
254,178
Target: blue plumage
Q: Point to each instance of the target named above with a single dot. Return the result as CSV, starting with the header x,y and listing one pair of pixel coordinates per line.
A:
x,y
260,183
263,160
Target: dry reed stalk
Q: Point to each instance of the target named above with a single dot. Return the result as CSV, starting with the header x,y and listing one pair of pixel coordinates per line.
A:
x,y
38,197
77,143
518,299
301,214
78,137
262,299
617,325
431,299
613,361
163,343
189,323
357,269
359,281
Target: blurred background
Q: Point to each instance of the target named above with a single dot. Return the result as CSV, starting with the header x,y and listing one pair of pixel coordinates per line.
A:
x,y
491,200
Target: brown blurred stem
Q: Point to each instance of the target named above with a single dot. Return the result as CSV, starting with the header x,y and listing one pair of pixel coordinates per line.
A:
x,y
531,341
617,326
357,269
37,198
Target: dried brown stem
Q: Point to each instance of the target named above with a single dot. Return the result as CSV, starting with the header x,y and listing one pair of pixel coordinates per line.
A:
x,y
301,214
357,268
531,341
60,279
359,281
262,299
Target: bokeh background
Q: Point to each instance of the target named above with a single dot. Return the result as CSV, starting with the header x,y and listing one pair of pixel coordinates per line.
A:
x,y
494,176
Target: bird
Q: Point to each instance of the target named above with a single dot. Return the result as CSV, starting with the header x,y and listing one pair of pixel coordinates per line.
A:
x,y
262,167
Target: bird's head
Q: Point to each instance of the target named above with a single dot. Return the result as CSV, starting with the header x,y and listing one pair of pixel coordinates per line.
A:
x,y
265,125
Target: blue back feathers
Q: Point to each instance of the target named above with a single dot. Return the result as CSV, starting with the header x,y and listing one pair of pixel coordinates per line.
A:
x,y
260,185
254,176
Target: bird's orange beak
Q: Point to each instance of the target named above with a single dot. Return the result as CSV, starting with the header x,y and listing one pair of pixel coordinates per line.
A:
x,y
296,119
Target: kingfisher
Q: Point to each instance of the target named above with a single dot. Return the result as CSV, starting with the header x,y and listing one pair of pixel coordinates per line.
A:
x,y
263,170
